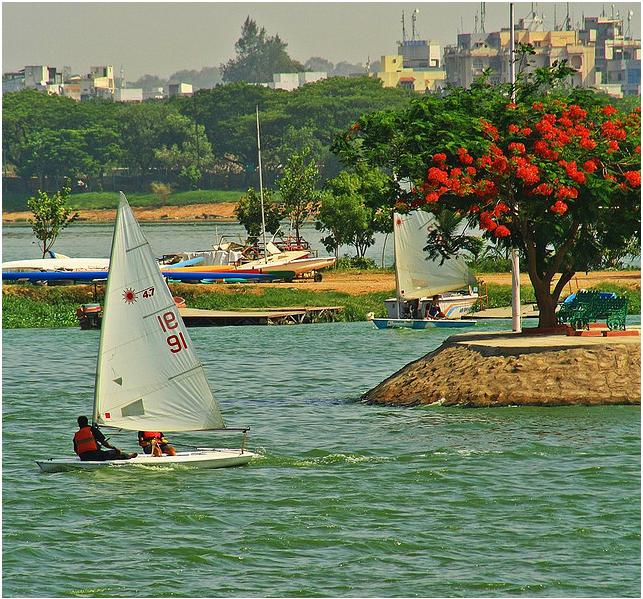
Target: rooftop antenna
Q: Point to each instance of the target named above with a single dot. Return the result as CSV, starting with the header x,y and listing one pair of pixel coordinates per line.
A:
x,y
603,11
475,23
555,24
461,24
628,32
483,12
413,19
568,21
403,29
612,12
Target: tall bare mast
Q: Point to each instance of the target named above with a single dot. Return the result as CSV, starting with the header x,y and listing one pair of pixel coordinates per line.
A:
x,y
263,216
483,14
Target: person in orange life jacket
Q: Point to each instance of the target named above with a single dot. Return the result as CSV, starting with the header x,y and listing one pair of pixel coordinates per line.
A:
x,y
154,442
88,441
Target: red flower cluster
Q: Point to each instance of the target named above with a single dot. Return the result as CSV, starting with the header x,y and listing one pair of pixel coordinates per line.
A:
x,y
516,148
559,208
633,178
590,166
567,193
464,156
553,161
489,130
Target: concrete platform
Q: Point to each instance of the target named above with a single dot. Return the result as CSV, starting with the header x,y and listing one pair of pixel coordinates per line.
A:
x,y
526,311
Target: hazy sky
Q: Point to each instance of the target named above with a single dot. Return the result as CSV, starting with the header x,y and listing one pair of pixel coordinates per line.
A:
x,y
161,38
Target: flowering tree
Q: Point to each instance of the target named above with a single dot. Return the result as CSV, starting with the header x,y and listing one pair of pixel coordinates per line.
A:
x,y
556,174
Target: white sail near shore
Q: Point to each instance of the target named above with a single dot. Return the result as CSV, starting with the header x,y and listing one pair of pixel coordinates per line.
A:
x,y
416,276
148,376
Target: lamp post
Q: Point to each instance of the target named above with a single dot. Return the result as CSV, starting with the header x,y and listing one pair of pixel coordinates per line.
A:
x,y
516,324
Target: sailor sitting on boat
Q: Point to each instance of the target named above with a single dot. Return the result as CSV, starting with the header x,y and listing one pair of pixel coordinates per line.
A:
x,y
433,310
88,441
154,442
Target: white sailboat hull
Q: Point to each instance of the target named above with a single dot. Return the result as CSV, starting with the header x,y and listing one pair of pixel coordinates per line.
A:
x,y
202,459
417,323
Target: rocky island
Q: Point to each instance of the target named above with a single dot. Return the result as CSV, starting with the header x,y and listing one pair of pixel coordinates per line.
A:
x,y
502,369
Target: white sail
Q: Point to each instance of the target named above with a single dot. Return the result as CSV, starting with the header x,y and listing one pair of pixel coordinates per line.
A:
x,y
148,376
416,276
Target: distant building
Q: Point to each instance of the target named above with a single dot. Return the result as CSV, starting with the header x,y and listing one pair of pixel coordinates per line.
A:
x,y
179,89
153,93
128,94
13,82
476,52
292,81
601,55
617,58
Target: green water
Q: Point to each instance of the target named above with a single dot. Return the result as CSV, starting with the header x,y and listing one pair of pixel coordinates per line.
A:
x,y
347,500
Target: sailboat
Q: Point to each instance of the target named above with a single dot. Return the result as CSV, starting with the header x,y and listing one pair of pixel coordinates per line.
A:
x,y
418,281
148,376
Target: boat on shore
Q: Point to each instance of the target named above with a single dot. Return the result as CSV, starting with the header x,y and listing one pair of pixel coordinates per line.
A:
x,y
428,293
148,376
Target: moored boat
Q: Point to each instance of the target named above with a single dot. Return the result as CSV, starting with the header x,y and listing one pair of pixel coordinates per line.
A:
x,y
428,293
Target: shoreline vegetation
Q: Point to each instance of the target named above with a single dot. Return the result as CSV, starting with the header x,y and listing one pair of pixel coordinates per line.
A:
x,y
358,291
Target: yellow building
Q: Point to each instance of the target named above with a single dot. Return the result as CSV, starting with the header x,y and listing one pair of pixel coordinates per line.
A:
x,y
393,73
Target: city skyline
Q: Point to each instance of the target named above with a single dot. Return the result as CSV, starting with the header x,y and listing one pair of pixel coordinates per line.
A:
x,y
162,38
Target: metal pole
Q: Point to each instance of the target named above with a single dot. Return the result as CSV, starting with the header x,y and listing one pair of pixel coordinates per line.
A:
x,y
516,324
263,216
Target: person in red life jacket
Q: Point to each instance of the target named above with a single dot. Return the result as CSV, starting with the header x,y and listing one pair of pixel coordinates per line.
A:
x,y
154,442
88,443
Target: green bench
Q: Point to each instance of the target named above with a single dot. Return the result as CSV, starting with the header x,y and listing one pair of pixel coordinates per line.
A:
x,y
591,306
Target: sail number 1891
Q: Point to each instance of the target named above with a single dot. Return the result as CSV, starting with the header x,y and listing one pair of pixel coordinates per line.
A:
x,y
176,342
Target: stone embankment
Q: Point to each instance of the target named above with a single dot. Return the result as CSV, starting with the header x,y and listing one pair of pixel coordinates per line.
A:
x,y
501,369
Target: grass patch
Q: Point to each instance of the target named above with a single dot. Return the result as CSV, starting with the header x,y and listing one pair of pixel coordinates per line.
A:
x,y
31,306
95,200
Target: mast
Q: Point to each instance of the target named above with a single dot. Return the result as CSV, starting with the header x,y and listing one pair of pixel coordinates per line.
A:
x,y
105,308
516,325
263,216
398,296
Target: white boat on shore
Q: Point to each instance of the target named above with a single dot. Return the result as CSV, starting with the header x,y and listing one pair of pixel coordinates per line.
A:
x,y
423,285
148,376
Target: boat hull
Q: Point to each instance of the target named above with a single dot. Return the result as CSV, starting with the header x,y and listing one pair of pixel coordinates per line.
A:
x,y
203,459
415,323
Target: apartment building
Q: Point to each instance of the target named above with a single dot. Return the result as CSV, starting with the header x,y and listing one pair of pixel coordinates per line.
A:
x,y
601,55
417,66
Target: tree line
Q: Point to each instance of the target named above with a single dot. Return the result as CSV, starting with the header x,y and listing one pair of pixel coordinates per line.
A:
x,y
180,140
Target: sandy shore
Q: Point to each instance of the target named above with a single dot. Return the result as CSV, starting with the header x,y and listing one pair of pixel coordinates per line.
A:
x,y
193,212
501,369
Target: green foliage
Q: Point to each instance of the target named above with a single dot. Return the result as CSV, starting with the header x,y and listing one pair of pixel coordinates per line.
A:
x,y
51,215
298,188
248,213
161,190
258,56
356,263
